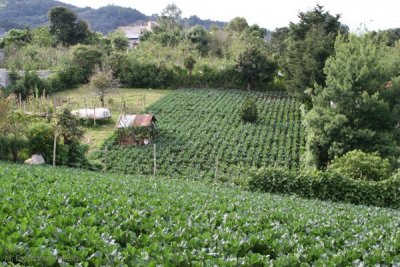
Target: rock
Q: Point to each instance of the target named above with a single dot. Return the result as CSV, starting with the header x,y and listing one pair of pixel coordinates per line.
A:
x,y
35,160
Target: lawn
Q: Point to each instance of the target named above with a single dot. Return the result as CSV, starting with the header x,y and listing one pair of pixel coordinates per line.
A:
x,y
134,101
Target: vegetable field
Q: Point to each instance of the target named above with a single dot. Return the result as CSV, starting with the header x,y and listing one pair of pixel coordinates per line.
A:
x,y
55,216
200,134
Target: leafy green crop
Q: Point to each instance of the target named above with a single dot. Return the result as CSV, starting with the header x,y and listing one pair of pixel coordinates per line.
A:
x,y
55,216
200,133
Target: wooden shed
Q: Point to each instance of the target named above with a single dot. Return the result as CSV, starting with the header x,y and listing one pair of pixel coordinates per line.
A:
x,y
137,129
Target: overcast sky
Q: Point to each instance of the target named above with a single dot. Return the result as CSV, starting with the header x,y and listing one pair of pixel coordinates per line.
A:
x,y
371,14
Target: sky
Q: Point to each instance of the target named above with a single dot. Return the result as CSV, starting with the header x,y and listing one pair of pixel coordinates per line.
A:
x,y
357,14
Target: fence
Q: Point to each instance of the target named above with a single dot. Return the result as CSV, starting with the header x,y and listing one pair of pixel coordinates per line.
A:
x,y
45,105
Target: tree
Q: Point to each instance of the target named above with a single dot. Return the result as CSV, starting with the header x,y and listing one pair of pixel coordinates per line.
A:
x,y
12,126
17,38
311,42
254,65
237,25
199,37
189,64
358,108
67,128
119,41
102,83
65,27
170,17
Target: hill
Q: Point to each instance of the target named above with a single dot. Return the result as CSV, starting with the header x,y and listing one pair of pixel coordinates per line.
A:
x,y
55,216
200,133
33,13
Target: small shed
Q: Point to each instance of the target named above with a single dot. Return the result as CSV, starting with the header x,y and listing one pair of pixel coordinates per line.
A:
x,y
137,129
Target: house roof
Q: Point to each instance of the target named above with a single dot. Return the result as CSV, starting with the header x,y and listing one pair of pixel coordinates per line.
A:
x,y
141,120
134,32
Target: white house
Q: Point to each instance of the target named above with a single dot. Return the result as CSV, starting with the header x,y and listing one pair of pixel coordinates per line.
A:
x,y
133,33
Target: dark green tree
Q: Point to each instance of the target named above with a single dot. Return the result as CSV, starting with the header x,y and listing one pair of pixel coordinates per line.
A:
x,y
248,111
255,66
311,42
65,27
189,63
199,37
358,108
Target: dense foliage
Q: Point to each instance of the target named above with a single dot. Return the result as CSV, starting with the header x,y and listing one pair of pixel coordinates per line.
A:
x,y
33,13
249,111
201,134
358,108
360,165
310,43
327,185
98,219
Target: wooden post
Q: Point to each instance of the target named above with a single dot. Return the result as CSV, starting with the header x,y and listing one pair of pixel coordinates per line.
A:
x,y
216,169
94,115
48,108
105,158
55,147
155,160
20,101
54,105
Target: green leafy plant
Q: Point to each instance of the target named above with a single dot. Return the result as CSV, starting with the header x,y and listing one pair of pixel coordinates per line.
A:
x,y
357,164
248,111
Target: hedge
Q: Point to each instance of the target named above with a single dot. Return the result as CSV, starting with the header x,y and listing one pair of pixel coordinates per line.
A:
x,y
327,186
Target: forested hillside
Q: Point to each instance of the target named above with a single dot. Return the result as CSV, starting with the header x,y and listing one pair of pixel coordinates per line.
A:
x,y
32,13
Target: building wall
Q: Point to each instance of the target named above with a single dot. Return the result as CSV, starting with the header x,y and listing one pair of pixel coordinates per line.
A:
x,y
2,56
4,77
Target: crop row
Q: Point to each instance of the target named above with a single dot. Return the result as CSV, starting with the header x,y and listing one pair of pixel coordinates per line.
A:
x,y
200,131
55,216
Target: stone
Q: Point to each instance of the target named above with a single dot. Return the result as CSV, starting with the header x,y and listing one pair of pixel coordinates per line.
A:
x,y
35,160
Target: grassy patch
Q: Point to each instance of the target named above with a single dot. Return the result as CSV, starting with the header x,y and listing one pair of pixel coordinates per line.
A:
x,y
134,101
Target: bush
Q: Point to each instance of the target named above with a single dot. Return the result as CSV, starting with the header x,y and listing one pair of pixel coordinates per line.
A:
x,y
13,147
362,166
41,140
327,186
248,111
27,85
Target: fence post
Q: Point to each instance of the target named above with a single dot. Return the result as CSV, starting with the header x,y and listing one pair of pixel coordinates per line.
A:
x,y
94,115
155,160
55,147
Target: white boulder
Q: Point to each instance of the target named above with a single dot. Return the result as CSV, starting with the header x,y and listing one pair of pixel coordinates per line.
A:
x,y
35,160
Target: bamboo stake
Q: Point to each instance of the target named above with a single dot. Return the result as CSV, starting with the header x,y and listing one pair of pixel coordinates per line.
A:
x,y
155,160
55,147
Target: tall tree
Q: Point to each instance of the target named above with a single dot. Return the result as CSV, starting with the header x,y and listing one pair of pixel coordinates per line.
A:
x,y
311,42
65,27
255,66
358,108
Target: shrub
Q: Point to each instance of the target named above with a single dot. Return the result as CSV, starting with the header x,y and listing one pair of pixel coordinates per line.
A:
x,y
248,111
359,165
327,186
41,140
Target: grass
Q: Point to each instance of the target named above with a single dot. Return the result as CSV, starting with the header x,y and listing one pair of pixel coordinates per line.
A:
x,y
135,101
